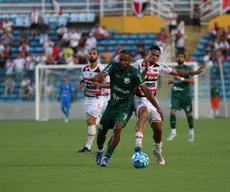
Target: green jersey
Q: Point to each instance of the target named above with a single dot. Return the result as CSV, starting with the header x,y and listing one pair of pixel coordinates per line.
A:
x,y
215,92
180,88
123,85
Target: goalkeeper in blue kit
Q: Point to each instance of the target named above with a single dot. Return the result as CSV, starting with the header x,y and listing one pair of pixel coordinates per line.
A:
x,y
66,96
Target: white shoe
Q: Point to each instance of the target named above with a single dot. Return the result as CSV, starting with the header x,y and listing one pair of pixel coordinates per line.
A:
x,y
191,138
160,159
171,136
66,120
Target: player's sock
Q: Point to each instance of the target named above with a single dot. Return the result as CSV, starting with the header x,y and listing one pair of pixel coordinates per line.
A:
x,y
67,113
138,141
173,123
217,112
158,147
190,121
91,135
109,151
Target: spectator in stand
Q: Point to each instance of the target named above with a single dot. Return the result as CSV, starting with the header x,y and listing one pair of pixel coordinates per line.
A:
x,y
23,92
222,45
50,60
83,55
8,52
61,31
7,38
19,63
74,39
172,20
9,67
85,34
105,33
180,42
228,34
31,91
1,27
208,59
106,56
75,60
91,42
221,33
8,26
49,50
196,18
117,51
66,38
163,34
25,82
209,45
219,60
69,59
41,59
2,47
43,28
24,47
97,32
56,52
30,64
215,29
23,37
160,43
9,85
34,18
2,60
66,52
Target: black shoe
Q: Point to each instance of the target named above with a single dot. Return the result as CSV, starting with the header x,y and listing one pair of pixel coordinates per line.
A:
x,y
137,149
84,150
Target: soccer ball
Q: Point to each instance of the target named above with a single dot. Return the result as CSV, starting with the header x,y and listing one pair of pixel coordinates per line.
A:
x,y
140,160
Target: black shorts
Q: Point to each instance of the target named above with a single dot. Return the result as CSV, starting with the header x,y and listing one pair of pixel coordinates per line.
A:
x,y
34,26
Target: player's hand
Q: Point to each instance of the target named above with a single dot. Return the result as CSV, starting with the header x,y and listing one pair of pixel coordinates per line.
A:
x,y
170,82
147,63
177,77
200,70
161,113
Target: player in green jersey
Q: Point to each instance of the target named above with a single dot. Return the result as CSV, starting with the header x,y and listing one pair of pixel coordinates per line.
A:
x,y
124,79
181,98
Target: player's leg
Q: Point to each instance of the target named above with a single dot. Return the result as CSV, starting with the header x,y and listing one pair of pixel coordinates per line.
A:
x,y
142,113
67,111
175,105
92,113
63,106
187,106
155,122
121,118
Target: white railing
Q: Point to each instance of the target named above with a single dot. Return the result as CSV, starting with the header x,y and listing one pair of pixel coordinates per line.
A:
x,y
102,8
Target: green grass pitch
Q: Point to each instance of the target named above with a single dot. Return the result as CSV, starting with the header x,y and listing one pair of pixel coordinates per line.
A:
x,y
42,157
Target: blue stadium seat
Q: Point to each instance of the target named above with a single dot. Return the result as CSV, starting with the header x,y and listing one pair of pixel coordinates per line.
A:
x,y
201,47
203,41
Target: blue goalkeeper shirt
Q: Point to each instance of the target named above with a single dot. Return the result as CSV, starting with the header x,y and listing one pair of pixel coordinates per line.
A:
x,y
66,90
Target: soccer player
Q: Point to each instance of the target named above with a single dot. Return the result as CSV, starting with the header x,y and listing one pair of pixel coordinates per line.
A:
x,y
124,81
151,69
66,96
215,100
181,98
94,96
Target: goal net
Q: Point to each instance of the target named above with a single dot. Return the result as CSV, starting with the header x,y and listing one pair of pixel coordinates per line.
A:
x,y
48,79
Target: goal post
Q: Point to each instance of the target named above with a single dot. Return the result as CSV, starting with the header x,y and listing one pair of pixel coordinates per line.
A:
x,y
48,77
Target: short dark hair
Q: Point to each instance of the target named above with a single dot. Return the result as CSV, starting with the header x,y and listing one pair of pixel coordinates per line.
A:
x,y
125,52
181,53
94,49
154,47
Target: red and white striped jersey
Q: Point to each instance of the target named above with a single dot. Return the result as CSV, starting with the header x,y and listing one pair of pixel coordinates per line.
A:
x,y
88,73
151,76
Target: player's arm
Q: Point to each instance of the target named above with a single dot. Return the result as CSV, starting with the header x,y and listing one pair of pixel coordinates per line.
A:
x,y
178,72
107,71
101,85
152,99
188,80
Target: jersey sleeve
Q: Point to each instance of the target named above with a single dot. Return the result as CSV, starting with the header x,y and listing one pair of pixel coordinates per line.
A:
x,y
165,70
138,64
108,69
139,79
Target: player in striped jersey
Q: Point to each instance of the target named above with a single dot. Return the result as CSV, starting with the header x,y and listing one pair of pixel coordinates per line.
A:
x,y
150,69
94,96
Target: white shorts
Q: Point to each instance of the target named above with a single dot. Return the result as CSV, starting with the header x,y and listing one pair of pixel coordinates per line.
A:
x,y
106,99
153,115
93,107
